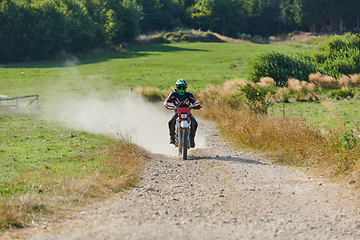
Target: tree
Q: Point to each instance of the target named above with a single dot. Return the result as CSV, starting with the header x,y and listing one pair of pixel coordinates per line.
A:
x,y
201,16
264,16
158,15
227,16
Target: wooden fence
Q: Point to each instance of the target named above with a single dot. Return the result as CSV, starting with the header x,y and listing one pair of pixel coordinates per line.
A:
x,y
14,102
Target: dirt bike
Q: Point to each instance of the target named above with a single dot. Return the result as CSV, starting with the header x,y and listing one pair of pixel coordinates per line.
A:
x,y
182,131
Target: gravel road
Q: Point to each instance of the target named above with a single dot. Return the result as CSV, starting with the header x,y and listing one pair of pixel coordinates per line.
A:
x,y
219,193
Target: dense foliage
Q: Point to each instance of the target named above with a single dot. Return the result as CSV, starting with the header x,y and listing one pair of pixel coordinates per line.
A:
x,y
339,56
257,97
35,29
281,67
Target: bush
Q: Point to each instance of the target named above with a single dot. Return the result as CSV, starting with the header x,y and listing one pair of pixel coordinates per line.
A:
x,y
340,55
348,140
341,94
244,36
259,39
281,67
257,97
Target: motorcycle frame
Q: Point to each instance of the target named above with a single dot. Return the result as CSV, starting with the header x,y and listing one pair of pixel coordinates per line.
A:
x,y
181,124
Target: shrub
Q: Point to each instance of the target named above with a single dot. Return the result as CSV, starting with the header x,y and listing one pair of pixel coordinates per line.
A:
x,y
348,140
341,93
259,39
257,97
339,55
281,67
244,36
288,139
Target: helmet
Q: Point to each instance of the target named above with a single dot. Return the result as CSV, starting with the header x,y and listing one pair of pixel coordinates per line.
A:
x,y
181,86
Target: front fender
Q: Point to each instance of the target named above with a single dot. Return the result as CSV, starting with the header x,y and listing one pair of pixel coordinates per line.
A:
x,y
184,124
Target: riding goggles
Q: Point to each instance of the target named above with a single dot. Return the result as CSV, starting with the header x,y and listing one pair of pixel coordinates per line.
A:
x,y
182,87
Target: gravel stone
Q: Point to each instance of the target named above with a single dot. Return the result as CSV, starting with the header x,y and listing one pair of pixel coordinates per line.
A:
x,y
234,195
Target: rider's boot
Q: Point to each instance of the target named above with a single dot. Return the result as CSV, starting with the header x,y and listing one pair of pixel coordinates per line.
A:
x,y
172,139
192,142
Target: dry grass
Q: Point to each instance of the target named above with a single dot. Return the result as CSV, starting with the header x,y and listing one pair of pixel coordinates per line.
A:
x,y
120,170
344,81
295,85
152,94
323,80
355,80
288,140
282,95
266,82
229,86
350,81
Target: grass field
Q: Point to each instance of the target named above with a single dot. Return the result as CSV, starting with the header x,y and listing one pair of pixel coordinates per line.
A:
x,y
41,157
106,74
38,148
46,167
340,114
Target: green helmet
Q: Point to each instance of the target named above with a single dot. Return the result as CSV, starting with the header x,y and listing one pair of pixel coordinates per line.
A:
x,y
181,86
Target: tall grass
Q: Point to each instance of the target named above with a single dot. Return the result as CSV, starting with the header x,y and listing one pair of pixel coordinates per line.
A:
x,y
152,94
77,169
287,139
119,171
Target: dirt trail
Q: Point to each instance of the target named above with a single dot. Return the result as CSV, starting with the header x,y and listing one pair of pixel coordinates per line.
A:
x,y
219,193
230,40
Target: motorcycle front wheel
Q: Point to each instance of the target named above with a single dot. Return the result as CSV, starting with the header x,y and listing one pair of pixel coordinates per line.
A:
x,y
184,143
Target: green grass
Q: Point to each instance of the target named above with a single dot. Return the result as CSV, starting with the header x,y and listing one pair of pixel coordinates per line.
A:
x,y
35,150
37,147
104,75
46,168
38,155
318,115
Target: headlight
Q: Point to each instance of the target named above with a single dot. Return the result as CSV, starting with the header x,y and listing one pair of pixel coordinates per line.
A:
x,y
184,116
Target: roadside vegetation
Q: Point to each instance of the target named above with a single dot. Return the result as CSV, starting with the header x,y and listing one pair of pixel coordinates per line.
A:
x,y
300,117
336,57
290,138
47,169
288,132
36,30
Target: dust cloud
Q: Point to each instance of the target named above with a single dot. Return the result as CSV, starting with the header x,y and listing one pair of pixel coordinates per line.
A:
x,y
142,122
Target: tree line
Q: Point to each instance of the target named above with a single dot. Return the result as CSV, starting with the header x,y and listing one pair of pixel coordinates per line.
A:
x,y
34,30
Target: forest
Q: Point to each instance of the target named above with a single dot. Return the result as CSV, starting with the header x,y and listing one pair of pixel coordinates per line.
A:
x,y
33,30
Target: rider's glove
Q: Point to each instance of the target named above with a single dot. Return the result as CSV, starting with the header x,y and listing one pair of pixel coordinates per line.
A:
x,y
196,105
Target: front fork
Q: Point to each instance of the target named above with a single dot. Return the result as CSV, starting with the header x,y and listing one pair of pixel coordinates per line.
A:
x,y
179,137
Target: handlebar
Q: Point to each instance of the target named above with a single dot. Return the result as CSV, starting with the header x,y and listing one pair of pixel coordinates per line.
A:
x,y
190,107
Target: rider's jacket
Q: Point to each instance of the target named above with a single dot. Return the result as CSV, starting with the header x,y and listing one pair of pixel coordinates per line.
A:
x,y
175,99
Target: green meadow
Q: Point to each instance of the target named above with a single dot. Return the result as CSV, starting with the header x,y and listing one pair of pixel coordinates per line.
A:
x,y
105,75
344,114
39,156
36,149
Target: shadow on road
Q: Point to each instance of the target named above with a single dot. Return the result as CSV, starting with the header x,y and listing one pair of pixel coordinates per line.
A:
x,y
227,159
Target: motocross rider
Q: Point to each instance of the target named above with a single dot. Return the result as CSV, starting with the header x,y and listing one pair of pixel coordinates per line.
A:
x,y
182,98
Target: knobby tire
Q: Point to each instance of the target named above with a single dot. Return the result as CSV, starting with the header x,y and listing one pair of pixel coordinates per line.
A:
x,y
184,143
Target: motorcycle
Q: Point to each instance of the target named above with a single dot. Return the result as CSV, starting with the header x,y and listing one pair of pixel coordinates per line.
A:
x,y
182,130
